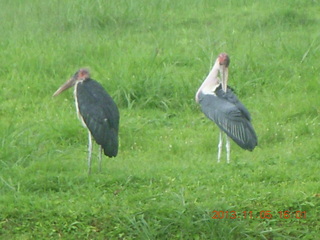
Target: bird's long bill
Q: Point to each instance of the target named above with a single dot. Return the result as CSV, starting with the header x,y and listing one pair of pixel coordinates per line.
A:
x,y
65,86
224,76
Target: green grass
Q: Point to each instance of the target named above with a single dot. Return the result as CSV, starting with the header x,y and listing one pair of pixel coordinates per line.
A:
x,y
152,56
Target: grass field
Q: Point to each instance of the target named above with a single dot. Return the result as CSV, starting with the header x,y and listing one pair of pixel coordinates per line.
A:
x,y
152,56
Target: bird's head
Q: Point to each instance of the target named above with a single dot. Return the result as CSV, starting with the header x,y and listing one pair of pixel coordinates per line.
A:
x,y
224,62
81,75
224,59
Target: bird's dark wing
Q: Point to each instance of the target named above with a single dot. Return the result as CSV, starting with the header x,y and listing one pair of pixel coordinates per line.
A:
x,y
232,98
100,114
232,119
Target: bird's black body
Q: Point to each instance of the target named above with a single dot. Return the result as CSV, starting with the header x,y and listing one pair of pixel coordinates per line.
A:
x,y
99,113
230,115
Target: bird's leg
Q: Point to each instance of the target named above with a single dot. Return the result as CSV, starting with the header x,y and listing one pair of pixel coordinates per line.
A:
x,y
220,146
228,148
100,153
89,152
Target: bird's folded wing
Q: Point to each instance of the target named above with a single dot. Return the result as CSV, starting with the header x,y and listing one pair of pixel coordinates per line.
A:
x,y
230,119
100,114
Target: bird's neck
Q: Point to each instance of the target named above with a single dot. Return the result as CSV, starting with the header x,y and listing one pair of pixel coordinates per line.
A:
x,y
211,82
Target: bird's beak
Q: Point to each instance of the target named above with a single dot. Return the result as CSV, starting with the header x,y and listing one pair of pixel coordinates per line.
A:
x,y
224,77
65,86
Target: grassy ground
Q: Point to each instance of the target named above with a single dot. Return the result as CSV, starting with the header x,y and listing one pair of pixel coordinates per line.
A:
x,y
152,56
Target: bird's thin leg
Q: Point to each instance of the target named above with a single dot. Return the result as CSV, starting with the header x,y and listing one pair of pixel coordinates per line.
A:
x,y
100,153
228,148
220,146
89,152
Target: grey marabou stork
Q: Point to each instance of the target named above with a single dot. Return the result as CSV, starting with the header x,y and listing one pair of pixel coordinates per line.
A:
x,y
97,111
221,105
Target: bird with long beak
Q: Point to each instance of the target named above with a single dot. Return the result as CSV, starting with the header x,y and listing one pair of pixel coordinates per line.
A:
x,y
97,111
221,105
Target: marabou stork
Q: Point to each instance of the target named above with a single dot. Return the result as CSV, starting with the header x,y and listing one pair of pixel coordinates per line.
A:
x,y
97,111
221,105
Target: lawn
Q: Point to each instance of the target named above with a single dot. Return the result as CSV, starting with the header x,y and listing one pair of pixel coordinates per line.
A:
x,y
165,183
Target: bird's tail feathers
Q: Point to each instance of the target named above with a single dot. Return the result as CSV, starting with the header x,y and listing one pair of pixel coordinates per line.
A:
x,y
110,147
